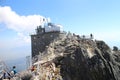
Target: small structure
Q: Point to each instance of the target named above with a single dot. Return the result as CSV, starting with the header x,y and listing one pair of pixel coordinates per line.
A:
x,y
40,30
53,28
48,27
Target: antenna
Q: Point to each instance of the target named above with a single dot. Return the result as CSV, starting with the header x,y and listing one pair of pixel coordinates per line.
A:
x,y
48,20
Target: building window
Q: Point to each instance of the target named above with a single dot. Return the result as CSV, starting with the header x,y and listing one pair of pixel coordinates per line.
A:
x,y
34,37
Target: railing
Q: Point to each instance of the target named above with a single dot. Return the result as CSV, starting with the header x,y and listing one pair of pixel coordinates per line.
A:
x,y
3,67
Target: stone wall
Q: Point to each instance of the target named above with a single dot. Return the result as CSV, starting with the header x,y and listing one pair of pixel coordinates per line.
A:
x,y
39,42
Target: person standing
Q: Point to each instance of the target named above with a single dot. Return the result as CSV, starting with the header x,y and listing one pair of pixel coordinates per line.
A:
x,y
91,36
13,72
5,75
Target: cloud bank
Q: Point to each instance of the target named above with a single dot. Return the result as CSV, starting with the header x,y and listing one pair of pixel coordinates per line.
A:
x,y
18,44
23,25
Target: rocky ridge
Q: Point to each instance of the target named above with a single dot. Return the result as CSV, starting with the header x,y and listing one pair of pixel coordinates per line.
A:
x,y
78,58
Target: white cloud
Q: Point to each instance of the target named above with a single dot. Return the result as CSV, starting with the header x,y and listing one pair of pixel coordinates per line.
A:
x,y
19,45
23,37
24,25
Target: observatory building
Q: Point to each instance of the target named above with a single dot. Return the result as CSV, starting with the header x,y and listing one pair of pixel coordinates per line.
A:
x,y
45,34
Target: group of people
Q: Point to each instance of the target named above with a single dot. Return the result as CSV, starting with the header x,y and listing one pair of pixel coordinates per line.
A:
x,y
13,73
89,37
9,75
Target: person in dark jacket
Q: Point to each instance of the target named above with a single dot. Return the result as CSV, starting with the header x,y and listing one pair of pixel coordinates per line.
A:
x,y
5,75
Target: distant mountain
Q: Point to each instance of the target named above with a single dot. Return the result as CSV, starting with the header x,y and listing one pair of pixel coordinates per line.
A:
x,y
20,64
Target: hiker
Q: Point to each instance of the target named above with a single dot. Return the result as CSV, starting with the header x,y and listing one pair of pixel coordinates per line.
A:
x,y
91,36
83,36
33,70
6,75
13,72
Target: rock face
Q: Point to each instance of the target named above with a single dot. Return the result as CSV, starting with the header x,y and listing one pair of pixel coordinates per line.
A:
x,y
76,58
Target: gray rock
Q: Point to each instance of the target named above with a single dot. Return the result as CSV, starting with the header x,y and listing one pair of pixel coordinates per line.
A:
x,y
83,59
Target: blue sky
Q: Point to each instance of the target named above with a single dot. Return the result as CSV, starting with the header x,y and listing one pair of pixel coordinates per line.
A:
x,y
19,18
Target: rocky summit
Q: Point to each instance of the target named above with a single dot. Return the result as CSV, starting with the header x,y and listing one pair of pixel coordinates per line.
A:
x,y
75,57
